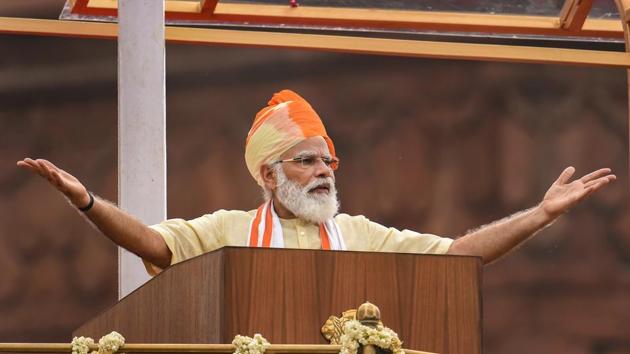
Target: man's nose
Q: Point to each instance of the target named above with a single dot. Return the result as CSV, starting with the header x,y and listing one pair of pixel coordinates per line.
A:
x,y
322,170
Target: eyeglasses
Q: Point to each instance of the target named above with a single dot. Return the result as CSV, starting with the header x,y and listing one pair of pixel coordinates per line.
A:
x,y
311,160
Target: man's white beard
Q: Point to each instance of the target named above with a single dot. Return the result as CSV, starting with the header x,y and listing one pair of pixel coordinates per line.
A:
x,y
313,207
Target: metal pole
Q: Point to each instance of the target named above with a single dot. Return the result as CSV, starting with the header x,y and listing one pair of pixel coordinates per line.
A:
x,y
141,124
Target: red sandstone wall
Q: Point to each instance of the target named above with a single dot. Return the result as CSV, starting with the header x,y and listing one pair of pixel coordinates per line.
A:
x,y
434,146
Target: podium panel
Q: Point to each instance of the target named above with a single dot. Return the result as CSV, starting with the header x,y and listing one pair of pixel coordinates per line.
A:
x,y
432,301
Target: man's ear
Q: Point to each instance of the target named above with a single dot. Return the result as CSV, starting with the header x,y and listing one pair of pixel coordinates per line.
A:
x,y
268,177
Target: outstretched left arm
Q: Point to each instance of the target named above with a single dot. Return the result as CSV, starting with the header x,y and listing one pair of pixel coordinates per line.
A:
x,y
498,238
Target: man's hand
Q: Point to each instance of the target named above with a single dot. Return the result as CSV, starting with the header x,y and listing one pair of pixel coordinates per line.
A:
x,y
500,237
122,228
563,195
60,179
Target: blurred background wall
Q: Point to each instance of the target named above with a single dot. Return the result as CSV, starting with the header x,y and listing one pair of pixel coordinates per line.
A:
x,y
433,146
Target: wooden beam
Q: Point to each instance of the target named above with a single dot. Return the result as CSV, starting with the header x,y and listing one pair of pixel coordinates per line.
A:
x,y
199,9
39,27
418,20
378,18
331,43
175,9
574,14
182,348
394,47
173,348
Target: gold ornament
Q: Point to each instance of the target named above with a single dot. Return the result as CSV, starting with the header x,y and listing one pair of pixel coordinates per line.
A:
x,y
369,315
333,328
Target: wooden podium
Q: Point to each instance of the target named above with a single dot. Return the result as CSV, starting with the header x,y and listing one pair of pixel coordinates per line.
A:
x,y
433,302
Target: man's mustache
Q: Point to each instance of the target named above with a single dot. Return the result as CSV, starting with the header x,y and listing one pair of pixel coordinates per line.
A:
x,y
322,182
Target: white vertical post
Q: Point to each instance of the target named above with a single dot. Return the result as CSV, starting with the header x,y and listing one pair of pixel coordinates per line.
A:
x,y
141,124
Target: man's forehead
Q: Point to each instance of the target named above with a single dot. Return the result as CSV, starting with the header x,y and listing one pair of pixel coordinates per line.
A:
x,y
315,145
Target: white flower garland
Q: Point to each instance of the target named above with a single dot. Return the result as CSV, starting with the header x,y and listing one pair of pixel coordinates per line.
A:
x,y
248,345
81,345
108,344
354,333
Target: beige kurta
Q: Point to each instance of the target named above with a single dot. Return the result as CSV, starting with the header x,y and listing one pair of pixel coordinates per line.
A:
x,y
190,238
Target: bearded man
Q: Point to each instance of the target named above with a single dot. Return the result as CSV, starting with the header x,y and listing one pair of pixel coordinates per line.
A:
x,y
292,158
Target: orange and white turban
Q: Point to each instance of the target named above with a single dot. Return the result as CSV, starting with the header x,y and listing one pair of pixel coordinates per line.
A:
x,y
286,121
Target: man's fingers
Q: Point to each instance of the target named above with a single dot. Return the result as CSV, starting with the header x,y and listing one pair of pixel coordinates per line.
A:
x,y
600,182
565,175
592,186
595,175
42,166
49,164
56,180
46,164
37,166
28,163
34,166
46,170
587,192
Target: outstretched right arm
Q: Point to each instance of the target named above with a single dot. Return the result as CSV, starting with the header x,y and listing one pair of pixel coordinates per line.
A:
x,y
122,228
